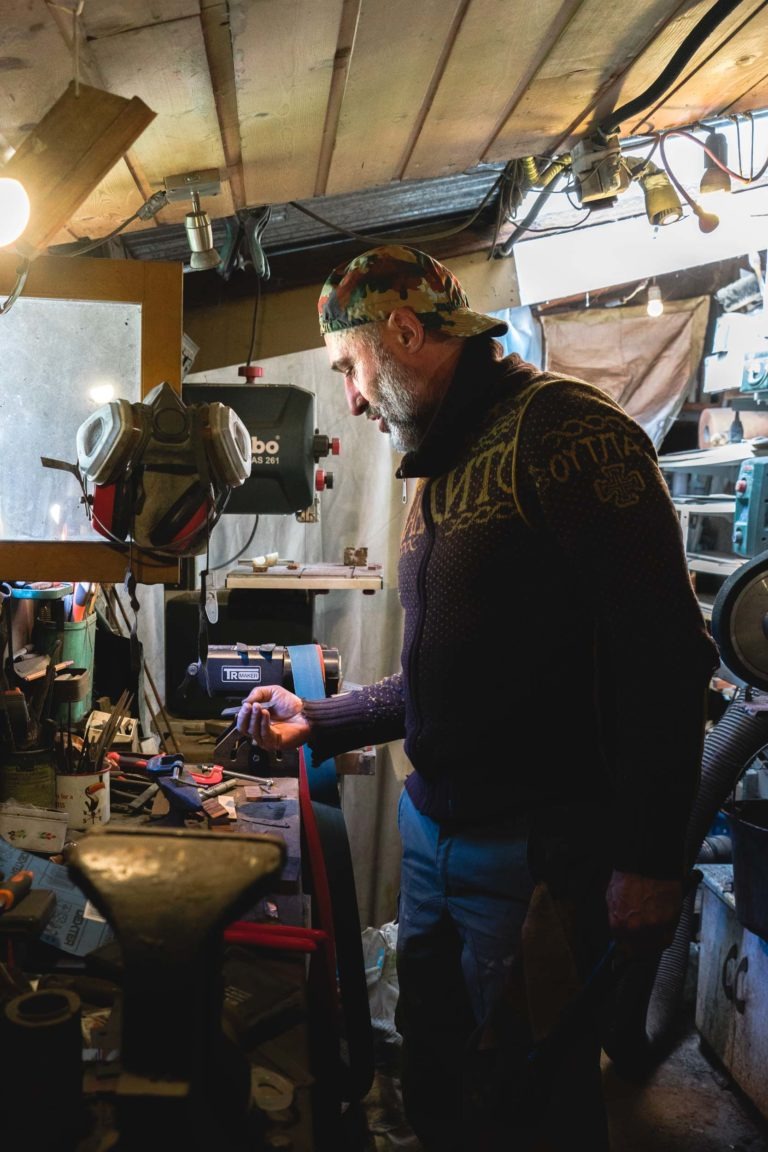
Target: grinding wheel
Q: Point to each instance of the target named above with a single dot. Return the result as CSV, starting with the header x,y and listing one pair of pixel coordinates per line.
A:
x,y
740,622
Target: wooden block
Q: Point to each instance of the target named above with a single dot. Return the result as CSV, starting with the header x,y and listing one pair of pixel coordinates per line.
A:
x,y
80,138
216,813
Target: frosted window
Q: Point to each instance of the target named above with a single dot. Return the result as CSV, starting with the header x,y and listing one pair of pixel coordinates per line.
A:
x,y
60,360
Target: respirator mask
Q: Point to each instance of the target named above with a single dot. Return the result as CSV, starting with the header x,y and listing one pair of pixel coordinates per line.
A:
x,y
162,470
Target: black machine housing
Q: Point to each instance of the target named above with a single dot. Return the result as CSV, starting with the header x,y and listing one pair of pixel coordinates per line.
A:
x,y
232,670
285,446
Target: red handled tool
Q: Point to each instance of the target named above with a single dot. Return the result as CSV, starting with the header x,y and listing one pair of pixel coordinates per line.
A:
x,y
15,889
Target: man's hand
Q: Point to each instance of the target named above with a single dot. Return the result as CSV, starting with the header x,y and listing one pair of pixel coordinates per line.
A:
x,y
643,913
273,718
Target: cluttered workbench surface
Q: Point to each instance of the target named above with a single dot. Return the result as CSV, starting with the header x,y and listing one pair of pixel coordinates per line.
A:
x,y
160,961
180,947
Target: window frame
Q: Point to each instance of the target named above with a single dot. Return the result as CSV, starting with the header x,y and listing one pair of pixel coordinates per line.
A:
x,y
157,287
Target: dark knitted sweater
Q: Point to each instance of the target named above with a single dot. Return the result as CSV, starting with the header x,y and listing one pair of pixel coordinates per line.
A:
x,y
554,653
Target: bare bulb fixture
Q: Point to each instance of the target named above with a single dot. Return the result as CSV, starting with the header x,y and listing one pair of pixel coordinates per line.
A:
x,y
14,210
200,237
655,305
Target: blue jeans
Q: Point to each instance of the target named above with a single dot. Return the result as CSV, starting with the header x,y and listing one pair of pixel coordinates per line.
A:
x,y
464,895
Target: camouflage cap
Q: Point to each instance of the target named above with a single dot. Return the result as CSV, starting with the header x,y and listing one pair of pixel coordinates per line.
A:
x,y
393,276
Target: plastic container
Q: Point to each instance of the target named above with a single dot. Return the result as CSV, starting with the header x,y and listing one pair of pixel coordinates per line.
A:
x,y
29,777
78,640
748,827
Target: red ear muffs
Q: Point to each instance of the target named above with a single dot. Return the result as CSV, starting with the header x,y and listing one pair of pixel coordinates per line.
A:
x,y
112,509
183,521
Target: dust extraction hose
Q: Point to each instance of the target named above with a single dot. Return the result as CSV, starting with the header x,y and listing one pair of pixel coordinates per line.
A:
x,y
646,998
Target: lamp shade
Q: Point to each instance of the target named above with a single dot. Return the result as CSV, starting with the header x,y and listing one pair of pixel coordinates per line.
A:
x,y
662,203
714,177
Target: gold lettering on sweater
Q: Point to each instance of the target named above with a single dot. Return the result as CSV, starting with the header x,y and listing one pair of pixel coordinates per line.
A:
x,y
581,444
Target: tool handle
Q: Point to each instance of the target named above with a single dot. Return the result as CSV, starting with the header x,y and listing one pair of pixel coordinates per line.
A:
x,y
15,889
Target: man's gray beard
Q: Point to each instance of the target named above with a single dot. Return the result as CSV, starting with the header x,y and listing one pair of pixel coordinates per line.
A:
x,y
397,403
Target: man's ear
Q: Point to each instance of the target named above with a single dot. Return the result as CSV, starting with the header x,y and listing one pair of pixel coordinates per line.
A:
x,y
404,325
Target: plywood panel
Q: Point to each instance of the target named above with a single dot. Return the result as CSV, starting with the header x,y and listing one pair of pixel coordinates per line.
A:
x,y
284,53
114,201
730,62
492,54
386,87
596,46
111,17
35,66
168,64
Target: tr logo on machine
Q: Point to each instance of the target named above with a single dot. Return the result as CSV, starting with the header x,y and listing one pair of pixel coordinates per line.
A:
x,y
241,674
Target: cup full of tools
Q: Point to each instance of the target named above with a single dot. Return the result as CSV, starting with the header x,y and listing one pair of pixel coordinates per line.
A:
x,y
83,768
84,796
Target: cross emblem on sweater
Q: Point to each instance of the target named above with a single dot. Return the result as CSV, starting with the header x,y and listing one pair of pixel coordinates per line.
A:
x,y
620,487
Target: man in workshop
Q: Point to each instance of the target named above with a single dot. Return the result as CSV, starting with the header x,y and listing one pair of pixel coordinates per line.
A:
x,y
552,698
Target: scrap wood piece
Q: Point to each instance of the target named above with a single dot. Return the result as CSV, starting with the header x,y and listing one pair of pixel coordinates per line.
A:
x,y
215,811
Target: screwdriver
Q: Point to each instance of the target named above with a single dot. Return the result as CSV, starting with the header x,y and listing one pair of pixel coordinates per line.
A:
x,y
15,889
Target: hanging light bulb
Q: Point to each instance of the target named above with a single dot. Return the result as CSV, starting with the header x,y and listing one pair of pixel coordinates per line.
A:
x,y
14,210
655,305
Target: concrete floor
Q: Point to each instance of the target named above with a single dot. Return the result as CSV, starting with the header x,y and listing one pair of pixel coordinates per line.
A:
x,y
688,1104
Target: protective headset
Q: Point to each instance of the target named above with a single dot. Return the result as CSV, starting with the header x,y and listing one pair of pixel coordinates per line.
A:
x,y
162,470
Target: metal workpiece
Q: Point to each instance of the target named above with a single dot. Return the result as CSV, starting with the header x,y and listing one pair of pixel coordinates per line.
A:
x,y
168,894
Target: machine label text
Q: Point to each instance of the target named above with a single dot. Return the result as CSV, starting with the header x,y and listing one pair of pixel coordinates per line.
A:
x,y
241,674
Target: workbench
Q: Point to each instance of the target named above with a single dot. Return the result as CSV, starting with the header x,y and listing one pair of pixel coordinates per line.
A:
x,y
266,1000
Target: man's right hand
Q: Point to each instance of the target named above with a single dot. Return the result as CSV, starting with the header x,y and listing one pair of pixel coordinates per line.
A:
x,y
273,717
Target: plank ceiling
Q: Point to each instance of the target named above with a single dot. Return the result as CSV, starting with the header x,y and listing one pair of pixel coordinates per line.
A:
x,y
371,113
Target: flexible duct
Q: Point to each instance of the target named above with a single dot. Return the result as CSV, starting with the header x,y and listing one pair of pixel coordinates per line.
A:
x,y
646,997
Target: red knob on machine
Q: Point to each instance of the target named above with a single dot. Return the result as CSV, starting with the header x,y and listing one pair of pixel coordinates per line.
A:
x,y
250,371
335,446
740,486
320,480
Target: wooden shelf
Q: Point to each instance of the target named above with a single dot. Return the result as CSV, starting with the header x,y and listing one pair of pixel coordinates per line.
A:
x,y
725,456
314,577
715,563
705,505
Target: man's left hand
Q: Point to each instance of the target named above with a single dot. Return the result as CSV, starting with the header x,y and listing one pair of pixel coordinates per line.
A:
x,y
643,912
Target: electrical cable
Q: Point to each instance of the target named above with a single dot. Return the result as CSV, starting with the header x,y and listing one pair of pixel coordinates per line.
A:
x,y
662,136
238,554
422,239
524,225
684,53
21,278
256,303
147,211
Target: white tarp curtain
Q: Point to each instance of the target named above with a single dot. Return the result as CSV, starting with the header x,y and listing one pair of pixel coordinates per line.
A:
x,y
367,506
650,365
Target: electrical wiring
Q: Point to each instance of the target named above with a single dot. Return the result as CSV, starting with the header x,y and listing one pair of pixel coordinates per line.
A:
x,y
21,278
422,239
238,554
147,210
665,135
715,16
